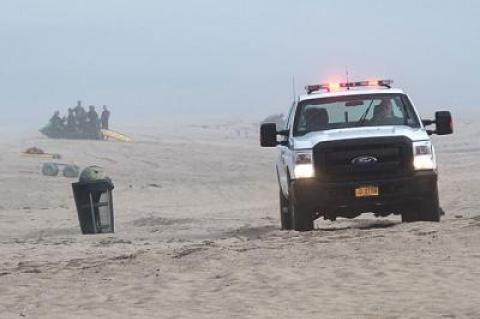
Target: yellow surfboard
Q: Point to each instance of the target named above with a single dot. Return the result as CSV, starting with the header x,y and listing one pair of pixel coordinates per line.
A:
x,y
42,155
116,136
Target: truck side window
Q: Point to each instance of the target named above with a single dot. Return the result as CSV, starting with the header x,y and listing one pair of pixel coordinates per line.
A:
x,y
289,121
290,117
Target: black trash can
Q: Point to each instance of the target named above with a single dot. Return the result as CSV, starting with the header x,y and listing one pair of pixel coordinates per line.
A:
x,y
94,203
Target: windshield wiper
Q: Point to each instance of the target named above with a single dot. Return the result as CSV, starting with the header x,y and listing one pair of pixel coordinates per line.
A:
x,y
364,115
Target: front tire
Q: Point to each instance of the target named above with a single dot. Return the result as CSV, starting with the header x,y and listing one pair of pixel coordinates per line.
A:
x,y
302,216
285,214
427,209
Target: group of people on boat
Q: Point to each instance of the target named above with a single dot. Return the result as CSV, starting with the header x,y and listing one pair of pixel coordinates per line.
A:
x,y
78,123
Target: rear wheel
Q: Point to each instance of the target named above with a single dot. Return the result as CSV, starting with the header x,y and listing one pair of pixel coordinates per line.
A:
x,y
302,216
71,171
285,214
50,169
426,209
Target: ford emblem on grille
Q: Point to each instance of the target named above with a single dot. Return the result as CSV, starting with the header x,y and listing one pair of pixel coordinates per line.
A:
x,y
364,160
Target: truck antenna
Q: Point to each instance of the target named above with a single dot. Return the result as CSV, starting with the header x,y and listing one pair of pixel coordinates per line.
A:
x,y
293,88
346,74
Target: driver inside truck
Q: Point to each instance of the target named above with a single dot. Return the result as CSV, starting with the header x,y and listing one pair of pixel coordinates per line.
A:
x,y
383,114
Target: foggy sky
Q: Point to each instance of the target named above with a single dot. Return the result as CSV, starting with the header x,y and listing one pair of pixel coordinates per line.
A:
x,y
151,60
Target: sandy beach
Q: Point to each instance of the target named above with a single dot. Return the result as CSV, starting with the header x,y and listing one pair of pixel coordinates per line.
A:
x,y
197,236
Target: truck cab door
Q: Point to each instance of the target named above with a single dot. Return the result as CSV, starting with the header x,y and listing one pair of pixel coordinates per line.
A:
x,y
285,153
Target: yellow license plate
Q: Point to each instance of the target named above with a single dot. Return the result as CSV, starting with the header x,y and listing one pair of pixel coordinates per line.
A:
x,y
366,191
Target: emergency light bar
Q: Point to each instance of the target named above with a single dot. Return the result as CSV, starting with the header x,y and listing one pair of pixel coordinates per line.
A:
x,y
335,86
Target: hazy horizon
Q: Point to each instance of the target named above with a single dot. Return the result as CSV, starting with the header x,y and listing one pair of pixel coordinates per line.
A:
x,y
150,60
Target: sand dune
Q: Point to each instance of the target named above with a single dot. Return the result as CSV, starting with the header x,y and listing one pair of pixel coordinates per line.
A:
x,y
197,236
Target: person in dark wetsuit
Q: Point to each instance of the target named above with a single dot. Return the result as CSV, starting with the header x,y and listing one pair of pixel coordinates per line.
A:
x,y
93,128
70,120
78,109
55,127
105,117
56,121
70,124
80,116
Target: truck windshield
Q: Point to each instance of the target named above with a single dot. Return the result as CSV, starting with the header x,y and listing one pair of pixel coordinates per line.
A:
x,y
354,111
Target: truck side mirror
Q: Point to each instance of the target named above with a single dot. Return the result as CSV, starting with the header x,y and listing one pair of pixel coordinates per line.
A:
x,y
443,123
268,135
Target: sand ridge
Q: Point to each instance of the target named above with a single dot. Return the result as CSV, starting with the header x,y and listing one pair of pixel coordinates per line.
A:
x,y
197,236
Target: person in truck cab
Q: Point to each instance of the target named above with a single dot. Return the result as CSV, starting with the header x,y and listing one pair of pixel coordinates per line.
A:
x,y
383,114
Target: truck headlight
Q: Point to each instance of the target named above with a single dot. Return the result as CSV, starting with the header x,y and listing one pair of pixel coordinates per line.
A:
x,y
423,156
303,164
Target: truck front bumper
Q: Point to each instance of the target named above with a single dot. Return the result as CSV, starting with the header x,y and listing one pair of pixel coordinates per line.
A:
x,y
394,193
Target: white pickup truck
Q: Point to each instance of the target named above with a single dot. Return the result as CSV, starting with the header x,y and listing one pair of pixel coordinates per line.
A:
x,y
352,148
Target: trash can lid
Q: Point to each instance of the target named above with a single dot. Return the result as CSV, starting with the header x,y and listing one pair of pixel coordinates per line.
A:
x,y
99,184
92,173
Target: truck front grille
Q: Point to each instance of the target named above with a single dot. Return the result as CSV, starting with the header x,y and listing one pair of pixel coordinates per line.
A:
x,y
334,159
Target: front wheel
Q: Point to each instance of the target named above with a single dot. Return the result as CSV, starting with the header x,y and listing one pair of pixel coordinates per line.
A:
x,y
427,209
285,214
302,216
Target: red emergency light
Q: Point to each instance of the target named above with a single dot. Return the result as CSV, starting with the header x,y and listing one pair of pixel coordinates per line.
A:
x,y
335,86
